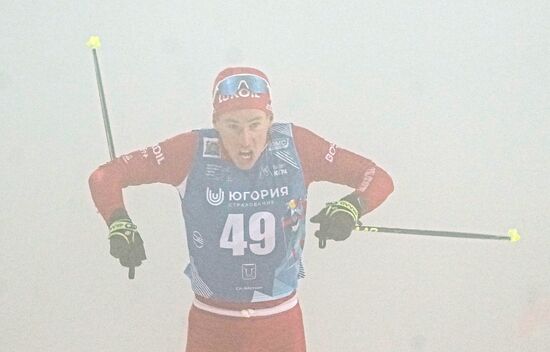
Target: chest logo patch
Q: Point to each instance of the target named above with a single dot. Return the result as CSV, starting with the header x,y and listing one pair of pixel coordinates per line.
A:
x,y
214,198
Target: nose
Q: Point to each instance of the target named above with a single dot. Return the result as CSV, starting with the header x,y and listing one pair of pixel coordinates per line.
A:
x,y
245,137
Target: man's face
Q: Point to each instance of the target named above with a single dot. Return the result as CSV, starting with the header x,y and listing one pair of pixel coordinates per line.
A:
x,y
243,134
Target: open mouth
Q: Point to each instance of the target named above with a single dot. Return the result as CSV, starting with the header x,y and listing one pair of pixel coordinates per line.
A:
x,y
245,154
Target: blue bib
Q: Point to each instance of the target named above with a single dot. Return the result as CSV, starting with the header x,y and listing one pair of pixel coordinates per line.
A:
x,y
245,228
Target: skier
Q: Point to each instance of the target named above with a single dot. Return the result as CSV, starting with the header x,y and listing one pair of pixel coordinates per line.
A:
x,y
243,188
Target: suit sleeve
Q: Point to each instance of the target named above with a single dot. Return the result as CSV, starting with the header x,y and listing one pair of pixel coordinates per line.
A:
x,y
167,162
324,161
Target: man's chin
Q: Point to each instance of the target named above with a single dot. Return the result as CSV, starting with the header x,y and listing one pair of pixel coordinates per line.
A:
x,y
244,164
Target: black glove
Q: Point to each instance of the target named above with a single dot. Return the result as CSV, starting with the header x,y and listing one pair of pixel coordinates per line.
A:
x,y
126,243
337,219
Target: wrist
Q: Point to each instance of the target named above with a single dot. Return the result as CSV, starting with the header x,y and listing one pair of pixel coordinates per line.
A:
x,y
353,203
118,214
122,224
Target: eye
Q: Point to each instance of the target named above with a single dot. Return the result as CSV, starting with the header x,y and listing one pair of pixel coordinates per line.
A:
x,y
255,125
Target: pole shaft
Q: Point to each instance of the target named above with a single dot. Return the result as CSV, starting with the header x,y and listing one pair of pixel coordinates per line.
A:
x,y
104,108
432,233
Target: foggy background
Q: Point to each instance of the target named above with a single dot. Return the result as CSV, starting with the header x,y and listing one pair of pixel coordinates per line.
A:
x,y
452,99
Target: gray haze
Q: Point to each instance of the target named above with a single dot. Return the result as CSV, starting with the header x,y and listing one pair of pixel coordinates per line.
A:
x,y
451,98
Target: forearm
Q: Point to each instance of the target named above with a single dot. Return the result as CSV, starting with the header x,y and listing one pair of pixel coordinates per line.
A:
x,y
106,184
324,161
375,186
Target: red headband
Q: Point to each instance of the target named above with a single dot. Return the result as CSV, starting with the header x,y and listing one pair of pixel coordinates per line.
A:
x,y
243,99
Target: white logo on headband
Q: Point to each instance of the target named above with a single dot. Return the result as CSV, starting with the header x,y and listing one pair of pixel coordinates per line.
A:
x,y
243,91
240,86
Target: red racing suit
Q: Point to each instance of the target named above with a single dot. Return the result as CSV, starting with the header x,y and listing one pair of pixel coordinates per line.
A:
x,y
171,161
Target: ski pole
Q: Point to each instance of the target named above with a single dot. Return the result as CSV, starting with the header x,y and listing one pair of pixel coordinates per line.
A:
x,y
512,236
94,43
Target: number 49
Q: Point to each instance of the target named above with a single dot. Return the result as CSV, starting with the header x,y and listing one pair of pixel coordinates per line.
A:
x,y
261,227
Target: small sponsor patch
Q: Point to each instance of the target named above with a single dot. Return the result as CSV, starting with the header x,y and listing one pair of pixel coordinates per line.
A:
x,y
331,153
280,172
214,171
279,143
126,158
249,271
198,240
211,148
265,171
159,155
367,179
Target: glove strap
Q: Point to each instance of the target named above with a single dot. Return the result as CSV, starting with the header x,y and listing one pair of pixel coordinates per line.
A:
x,y
343,206
121,228
122,224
